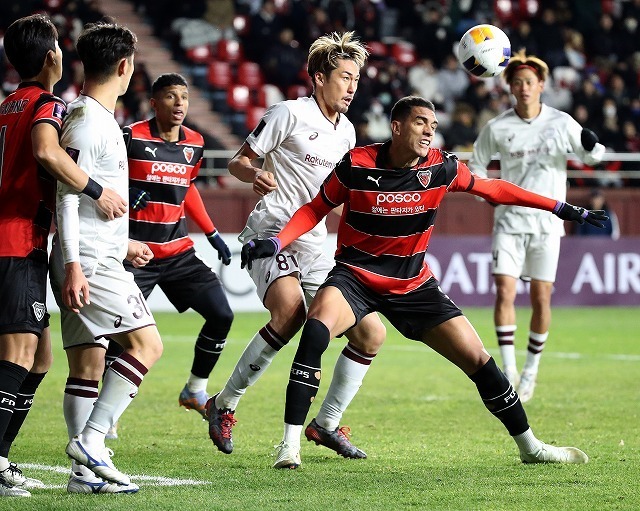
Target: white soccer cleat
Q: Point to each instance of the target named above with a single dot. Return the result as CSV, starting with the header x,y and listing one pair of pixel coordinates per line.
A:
x,y
99,462
12,491
552,454
13,476
83,480
287,456
527,386
512,375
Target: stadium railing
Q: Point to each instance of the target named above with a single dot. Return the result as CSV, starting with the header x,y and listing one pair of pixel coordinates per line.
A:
x,y
215,166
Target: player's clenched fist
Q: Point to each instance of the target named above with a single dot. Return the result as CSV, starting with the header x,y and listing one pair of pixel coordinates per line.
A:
x,y
258,249
139,254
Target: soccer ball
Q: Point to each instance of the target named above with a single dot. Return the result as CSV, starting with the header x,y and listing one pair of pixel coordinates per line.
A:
x,y
484,51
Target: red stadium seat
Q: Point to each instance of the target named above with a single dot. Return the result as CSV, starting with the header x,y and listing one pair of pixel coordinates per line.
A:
x,y
254,114
200,54
404,53
238,97
229,50
377,49
249,74
297,91
219,75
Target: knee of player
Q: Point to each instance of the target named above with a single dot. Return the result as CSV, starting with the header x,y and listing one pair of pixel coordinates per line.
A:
x,y
369,340
288,321
218,323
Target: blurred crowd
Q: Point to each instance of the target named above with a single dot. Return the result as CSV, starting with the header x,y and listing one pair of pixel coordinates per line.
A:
x,y
70,16
591,46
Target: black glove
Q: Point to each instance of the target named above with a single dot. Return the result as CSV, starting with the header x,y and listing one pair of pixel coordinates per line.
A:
x,y
258,249
588,139
138,199
568,211
224,254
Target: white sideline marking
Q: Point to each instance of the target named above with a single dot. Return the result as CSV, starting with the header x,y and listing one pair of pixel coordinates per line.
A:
x,y
149,480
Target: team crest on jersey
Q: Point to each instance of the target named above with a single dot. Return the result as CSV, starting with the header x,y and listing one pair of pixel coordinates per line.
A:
x,y
188,153
424,176
39,309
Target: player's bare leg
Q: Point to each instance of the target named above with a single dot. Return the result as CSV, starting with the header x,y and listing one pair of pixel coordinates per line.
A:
x,y
457,341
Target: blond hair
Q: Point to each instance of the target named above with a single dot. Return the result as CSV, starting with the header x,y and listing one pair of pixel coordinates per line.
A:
x,y
325,52
537,65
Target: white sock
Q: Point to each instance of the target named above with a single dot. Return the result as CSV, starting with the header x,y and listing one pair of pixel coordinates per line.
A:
x,y
77,403
527,442
119,387
292,433
4,463
506,342
534,351
347,379
195,384
253,362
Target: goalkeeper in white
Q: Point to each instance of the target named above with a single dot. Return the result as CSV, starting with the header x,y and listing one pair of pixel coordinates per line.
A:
x,y
533,141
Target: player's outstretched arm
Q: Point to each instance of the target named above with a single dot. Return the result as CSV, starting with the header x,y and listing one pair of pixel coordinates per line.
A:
x,y
47,151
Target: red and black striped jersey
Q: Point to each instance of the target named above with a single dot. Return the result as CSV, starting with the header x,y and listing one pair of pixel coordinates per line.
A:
x,y
165,170
27,190
389,213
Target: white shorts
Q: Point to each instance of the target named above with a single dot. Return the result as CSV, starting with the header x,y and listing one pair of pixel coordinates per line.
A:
x,y
527,256
117,306
313,267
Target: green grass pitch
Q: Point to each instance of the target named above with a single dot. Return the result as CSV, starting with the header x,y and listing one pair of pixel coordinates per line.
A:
x,y
431,444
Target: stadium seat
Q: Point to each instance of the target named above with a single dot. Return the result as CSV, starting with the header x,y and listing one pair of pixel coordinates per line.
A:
x,y
254,114
229,50
297,91
404,53
200,54
377,50
219,79
267,95
238,97
249,74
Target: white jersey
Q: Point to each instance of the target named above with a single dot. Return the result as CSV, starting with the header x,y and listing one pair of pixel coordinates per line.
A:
x,y
92,136
533,155
300,147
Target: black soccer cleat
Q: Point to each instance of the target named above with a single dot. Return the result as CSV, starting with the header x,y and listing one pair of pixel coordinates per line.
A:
x,y
336,440
221,422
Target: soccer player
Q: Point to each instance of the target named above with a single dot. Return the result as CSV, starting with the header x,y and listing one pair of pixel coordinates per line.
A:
x,y
533,140
98,298
31,159
164,160
391,193
301,141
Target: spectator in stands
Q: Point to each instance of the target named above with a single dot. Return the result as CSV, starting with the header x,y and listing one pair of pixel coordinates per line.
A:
x,y
283,61
462,132
611,227
453,82
423,80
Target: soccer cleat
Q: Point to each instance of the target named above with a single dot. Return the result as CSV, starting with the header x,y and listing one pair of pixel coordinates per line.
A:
x,y
7,490
82,480
194,400
112,432
13,476
336,440
552,454
98,462
287,456
221,422
527,386
512,375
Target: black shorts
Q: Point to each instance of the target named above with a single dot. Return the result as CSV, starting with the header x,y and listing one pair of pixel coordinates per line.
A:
x,y
411,314
184,278
23,294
